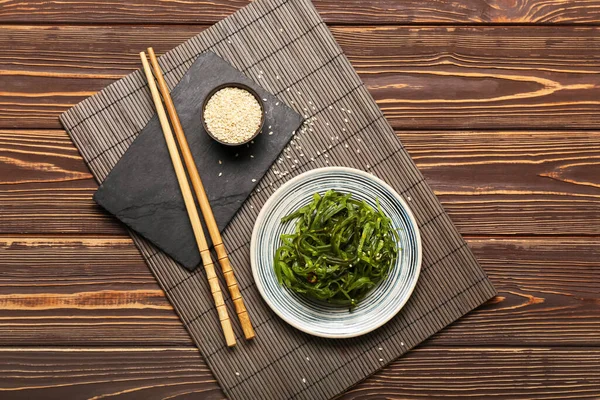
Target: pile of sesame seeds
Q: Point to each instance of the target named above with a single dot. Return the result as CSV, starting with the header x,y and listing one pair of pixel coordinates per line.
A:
x,y
232,115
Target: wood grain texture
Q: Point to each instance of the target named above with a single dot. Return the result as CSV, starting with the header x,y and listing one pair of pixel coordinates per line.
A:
x,y
83,291
180,373
347,12
498,183
100,373
422,77
503,373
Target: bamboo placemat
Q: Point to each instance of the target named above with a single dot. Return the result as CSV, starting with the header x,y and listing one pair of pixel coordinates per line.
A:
x,y
286,47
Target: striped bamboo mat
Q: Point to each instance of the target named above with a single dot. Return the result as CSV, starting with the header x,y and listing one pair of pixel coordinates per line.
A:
x,y
285,47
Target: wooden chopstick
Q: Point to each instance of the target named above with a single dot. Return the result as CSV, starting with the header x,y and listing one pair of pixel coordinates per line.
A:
x,y
190,206
209,218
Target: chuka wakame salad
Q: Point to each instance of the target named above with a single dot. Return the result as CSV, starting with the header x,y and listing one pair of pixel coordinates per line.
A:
x,y
341,248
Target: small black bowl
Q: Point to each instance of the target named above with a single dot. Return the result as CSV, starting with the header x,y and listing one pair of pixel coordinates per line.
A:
x,y
239,86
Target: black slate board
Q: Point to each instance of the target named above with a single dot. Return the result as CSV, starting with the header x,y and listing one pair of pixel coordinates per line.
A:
x,y
142,189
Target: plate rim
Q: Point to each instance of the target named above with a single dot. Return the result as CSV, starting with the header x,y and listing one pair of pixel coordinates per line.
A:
x,y
262,214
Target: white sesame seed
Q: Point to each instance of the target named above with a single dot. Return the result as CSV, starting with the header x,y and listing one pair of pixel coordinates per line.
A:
x,y
280,29
232,115
253,180
381,360
304,380
346,145
345,119
220,173
228,41
380,349
220,162
277,77
251,156
270,133
331,107
260,72
277,103
237,373
264,99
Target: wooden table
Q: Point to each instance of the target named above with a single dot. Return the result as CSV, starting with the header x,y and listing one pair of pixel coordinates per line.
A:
x,y
498,102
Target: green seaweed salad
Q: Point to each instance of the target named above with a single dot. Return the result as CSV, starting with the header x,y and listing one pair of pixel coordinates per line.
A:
x,y
341,248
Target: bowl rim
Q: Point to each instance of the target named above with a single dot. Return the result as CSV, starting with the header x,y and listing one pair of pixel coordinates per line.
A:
x,y
239,86
258,225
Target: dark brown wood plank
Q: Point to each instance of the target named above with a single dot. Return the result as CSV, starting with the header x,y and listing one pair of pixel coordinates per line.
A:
x,y
180,373
83,291
422,77
502,373
347,12
100,372
498,183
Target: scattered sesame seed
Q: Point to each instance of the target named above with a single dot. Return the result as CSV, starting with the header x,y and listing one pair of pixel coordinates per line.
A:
x,y
220,162
304,380
237,373
264,99
312,159
326,155
305,116
280,29
380,349
358,150
346,145
343,129
277,103
237,154
270,133
401,343
259,77
253,180
260,72
358,139
381,360
318,153
220,173
301,154
327,123
277,77
345,119
299,93
228,41
251,156
307,358
331,107
330,146
296,161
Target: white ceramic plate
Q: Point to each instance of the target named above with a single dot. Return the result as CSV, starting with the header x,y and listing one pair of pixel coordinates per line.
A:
x,y
317,318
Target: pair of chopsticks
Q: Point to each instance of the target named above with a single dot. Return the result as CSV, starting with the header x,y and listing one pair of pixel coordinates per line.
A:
x,y
190,205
